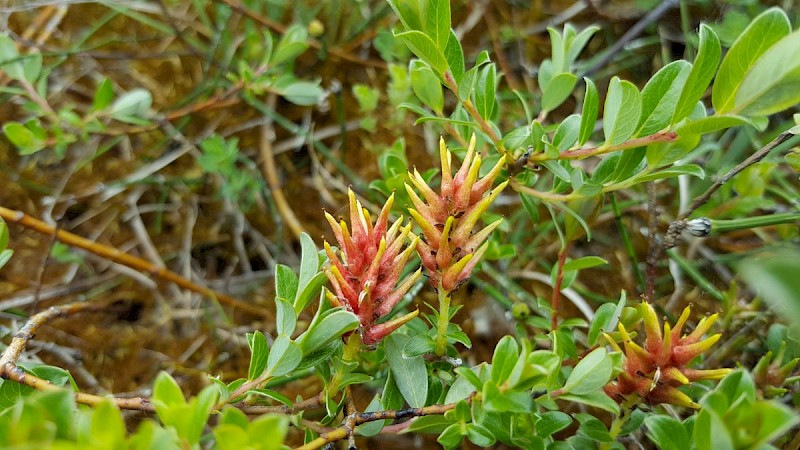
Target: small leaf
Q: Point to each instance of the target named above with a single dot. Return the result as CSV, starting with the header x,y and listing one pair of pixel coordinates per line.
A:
x,y
303,93
23,138
426,86
285,316
284,356
621,113
259,352
772,84
286,282
330,325
590,374
703,70
103,96
485,91
455,57
711,124
660,97
134,103
552,422
596,398
437,17
409,374
666,432
557,90
425,49
293,42
567,132
505,357
764,31
584,263
591,103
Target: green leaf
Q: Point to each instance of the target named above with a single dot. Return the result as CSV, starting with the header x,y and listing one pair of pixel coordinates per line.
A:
x,y
765,30
552,422
409,374
10,61
557,90
621,113
660,97
666,432
132,104
409,13
286,320
286,282
419,345
567,132
597,398
505,357
773,83
166,392
584,263
711,124
508,401
774,420
284,356
309,292
293,42
703,70
591,103
485,91
455,57
429,424
451,437
674,171
107,428
467,84
426,86
259,352
590,374
326,327
425,49
437,17
710,432
23,138
103,96
479,435
309,268
303,93
605,319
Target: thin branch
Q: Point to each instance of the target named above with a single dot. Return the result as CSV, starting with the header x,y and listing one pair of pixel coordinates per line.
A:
x,y
125,259
360,418
10,371
273,181
677,227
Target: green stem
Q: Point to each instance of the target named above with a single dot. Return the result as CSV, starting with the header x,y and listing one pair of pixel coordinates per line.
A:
x,y
722,226
619,421
444,321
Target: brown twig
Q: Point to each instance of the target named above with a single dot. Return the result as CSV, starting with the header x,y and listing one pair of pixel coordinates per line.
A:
x,y
360,418
125,259
273,181
10,371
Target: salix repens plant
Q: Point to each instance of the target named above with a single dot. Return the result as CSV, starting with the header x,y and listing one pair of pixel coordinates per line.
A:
x,y
507,212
